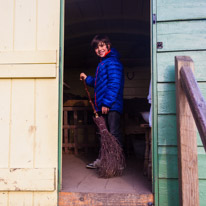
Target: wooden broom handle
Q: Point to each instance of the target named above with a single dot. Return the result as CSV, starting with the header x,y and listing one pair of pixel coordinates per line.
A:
x,y
90,100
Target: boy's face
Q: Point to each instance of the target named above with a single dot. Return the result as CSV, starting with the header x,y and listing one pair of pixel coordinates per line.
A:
x,y
102,49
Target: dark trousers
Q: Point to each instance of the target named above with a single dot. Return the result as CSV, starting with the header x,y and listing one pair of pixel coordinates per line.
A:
x,y
113,120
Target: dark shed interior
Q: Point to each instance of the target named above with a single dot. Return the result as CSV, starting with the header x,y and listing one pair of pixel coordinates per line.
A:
x,y
127,23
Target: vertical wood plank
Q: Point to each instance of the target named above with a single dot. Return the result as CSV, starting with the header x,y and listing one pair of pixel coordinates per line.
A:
x,y
48,24
45,148
5,89
22,124
46,140
20,198
3,198
187,143
45,199
6,22
25,25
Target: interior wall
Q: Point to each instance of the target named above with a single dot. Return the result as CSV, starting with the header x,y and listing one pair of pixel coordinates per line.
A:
x,y
71,77
137,81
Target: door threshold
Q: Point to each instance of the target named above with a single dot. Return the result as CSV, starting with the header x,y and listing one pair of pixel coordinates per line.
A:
x,y
104,199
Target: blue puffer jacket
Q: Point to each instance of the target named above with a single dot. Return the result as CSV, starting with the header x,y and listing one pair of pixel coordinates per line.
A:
x,y
108,83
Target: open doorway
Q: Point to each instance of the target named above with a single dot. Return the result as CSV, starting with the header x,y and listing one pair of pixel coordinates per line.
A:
x,y
127,23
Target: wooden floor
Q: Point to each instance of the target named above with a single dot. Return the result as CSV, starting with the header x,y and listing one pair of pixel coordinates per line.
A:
x,y
82,186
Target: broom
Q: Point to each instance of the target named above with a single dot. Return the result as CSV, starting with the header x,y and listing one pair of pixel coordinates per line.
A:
x,y
112,160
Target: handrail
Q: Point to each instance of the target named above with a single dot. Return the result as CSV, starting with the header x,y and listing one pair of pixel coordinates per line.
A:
x,y
195,100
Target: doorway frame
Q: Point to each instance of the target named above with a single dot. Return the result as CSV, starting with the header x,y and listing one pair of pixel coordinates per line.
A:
x,y
153,43
153,70
60,91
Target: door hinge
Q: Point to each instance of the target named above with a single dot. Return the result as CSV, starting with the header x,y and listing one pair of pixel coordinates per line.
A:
x,y
159,45
154,18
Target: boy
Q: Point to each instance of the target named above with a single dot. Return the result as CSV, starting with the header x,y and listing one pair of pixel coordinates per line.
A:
x,y
108,86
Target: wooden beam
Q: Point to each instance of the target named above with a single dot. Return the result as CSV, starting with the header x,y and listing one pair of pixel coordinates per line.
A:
x,y
111,32
99,199
28,57
28,71
187,141
195,100
27,179
144,22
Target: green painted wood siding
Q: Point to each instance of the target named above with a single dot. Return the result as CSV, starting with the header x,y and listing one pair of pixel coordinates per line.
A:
x,y
180,9
182,35
181,26
166,68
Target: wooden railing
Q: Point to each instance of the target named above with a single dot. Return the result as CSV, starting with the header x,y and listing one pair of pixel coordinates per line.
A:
x,y
190,106
77,127
195,100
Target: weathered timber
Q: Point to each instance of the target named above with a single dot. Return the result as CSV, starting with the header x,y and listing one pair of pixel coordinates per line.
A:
x,y
109,199
187,143
28,71
195,99
27,179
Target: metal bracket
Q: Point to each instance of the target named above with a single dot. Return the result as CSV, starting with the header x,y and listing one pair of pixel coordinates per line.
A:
x,y
159,45
154,18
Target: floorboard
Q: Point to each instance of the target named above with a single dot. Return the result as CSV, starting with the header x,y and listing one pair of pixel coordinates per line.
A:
x,y
77,178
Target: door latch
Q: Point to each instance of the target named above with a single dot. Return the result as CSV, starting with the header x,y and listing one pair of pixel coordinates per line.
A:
x,y
159,45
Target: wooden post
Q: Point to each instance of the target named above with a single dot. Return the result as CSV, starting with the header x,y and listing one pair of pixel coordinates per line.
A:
x,y
187,141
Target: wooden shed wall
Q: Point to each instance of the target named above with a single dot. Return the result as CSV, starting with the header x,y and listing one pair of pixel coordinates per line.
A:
x,y
29,50
181,26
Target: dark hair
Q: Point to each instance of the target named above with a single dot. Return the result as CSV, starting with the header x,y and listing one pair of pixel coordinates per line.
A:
x,y
100,38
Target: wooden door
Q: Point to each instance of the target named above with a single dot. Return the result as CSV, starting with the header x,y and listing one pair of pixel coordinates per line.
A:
x,y
29,65
179,29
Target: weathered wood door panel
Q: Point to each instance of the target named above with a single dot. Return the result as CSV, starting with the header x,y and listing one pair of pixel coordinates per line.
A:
x,y
28,64
29,61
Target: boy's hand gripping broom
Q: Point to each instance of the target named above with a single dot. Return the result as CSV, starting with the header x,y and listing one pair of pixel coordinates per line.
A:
x,y
112,161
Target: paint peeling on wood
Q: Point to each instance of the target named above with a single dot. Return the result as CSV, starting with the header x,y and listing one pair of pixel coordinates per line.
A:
x,y
32,129
13,169
28,179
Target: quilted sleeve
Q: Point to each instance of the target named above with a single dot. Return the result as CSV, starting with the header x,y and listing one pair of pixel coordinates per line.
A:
x,y
90,81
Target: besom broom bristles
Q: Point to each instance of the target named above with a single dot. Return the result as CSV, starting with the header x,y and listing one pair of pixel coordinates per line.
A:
x,y
112,160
